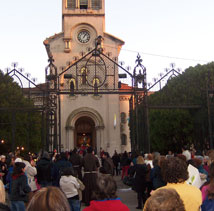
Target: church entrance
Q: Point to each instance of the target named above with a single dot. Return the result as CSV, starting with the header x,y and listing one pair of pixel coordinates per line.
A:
x,y
85,134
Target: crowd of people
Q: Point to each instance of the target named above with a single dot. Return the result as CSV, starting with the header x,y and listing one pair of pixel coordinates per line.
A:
x,y
64,181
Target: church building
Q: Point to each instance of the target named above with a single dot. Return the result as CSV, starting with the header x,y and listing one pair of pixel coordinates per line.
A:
x,y
99,120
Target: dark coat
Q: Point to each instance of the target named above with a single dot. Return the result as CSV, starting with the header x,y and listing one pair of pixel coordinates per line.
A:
x,y
76,161
90,165
108,166
58,168
139,183
44,170
156,178
19,182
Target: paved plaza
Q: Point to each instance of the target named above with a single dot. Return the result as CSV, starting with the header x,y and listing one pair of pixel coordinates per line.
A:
x,y
126,194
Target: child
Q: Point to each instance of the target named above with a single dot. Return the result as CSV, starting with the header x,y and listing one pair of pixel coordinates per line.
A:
x,y
70,186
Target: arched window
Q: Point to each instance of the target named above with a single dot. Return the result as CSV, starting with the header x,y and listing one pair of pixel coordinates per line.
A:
x,y
83,4
71,4
123,139
96,4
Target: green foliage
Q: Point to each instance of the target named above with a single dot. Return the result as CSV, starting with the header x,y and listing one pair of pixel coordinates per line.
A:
x,y
26,123
171,128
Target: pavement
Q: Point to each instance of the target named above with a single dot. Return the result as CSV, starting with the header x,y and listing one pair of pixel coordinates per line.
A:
x,y
126,194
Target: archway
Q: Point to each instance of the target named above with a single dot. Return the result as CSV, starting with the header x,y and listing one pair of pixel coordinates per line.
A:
x,y
85,133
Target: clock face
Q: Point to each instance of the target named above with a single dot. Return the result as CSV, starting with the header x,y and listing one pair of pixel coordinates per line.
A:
x,y
83,36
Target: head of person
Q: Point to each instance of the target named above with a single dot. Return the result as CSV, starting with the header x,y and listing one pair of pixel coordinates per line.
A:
x,y
3,158
106,155
44,155
174,170
74,151
49,199
63,156
140,160
19,168
90,150
164,200
106,188
2,192
68,171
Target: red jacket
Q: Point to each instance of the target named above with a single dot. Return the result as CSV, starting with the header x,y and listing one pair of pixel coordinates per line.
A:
x,y
107,205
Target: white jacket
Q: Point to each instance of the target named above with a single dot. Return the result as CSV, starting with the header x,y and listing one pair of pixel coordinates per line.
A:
x,y
69,186
31,172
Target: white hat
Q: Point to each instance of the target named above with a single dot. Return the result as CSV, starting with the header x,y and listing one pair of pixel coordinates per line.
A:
x,y
18,160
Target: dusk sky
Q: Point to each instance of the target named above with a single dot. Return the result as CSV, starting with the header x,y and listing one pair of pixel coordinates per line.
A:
x,y
162,31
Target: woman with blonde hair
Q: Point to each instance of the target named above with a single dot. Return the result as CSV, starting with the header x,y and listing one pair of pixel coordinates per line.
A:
x,y
3,206
139,183
49,199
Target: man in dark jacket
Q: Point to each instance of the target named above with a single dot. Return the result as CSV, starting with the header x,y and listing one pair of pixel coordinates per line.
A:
x,y
44,170
108,165
58,167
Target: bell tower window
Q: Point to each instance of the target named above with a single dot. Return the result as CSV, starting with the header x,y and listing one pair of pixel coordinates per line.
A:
x,y
84,4
96,4
71,4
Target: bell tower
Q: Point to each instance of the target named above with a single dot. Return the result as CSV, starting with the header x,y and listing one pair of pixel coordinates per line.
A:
x,y
82,22
81,69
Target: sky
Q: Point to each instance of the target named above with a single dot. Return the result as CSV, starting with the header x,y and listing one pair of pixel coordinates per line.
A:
x,y
161,31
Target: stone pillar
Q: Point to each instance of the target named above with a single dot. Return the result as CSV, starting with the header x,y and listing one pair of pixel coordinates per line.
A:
x,y
69,138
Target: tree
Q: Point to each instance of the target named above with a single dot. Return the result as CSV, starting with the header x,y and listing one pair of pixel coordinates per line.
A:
x,y
17,118
173,128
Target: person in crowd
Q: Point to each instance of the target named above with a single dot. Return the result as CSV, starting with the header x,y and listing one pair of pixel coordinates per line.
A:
x,y
169,154
164,200
70,186
175,173
155,155
139,184
76,161
19,188
3,206
148,160
155,174
186,152
198,160
90,165
105,195
208,188
9,175
108,165
3,168
49,199
31,172
124,164
116,161
58,167
208,192
44,170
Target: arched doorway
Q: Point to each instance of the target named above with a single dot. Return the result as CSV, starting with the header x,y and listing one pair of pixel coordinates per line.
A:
x,y
85,133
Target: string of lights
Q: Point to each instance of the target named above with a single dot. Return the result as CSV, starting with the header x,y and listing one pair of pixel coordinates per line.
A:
x,y
159,55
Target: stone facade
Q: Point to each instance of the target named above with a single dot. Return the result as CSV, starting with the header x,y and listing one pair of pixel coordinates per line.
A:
x,y
88,119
